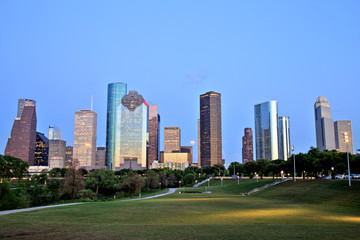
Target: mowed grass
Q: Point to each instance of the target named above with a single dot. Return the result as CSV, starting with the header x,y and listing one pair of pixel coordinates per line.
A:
x,y
326,209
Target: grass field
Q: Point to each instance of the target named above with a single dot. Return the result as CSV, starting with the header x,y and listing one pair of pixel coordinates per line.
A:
x,y
326,209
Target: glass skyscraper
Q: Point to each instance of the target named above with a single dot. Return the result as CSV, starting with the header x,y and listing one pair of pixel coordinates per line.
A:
x,y
116,91
266,130
284,138
133,135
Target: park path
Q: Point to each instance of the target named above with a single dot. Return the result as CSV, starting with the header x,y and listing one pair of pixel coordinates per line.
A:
x,y
171,190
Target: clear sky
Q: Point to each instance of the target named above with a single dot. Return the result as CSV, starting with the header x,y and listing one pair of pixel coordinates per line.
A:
x,y
60,52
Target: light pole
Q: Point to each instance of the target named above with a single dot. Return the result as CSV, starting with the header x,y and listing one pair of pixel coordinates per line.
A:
x,y
282,174
221,181
238,177
256,175
332,172
160,185
208,182
346,137
293,149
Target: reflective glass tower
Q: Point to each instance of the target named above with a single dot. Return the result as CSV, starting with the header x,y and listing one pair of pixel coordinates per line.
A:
x,y
133,135
284,138
266,130
116,91
324,125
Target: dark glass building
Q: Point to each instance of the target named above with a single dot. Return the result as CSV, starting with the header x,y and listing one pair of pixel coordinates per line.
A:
x,y
247,146
210,129
21,143
41,150
68,156
116,91
154,135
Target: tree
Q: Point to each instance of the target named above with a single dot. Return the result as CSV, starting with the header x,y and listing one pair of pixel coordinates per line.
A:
x,y
101,181
132,183
73,180
189,179
152,180
12,167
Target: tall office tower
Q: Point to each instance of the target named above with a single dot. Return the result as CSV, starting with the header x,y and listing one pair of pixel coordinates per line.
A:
x,y
133,138
54,133
199,152
266,130
324,125
21,143
41,150
154,135
210,129
284,138
189,151
116,91
100,156
172,139
342,128
57,153
247,146
68,156
85,138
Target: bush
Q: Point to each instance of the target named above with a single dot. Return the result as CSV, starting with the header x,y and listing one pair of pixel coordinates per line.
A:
x,y
86,194
8,199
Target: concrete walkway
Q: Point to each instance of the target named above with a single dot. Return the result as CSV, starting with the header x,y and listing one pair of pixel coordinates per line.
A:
x,y
171,190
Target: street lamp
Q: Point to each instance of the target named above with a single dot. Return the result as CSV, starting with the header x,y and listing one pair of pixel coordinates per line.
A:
x,y
282,174
346,138
208,182
237,175
180,183
221,181
160,185
332,172
256,175
293,149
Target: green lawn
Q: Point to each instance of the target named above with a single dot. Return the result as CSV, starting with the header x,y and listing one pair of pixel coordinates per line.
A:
x,y
326,209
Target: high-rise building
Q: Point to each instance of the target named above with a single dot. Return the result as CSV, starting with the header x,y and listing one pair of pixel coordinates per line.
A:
x,y
342,128
41,150
284,138
247,146
21,143
199,137
54,133
266,130
68,156
133,135
324,125
116,91
85,138
210,129
189,151
154,135
172,139
57,153
100,157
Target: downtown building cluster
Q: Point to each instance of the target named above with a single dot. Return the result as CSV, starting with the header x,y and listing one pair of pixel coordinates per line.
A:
x,y
132,136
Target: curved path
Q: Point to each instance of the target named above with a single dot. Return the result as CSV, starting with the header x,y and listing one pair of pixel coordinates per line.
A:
x,y
171,190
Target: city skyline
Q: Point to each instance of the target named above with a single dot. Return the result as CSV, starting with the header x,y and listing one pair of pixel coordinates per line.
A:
x,y
248,52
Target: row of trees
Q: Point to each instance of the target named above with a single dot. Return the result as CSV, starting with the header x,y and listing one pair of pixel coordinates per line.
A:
x,y
313,163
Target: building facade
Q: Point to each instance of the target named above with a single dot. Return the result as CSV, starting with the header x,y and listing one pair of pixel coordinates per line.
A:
x,y
54,133
41,150
247,146
210,129
21,143
324,125
68,156
100,156
154,135
342,128
116,91
172,139
133,137
284,138
57,154
266,130
84,148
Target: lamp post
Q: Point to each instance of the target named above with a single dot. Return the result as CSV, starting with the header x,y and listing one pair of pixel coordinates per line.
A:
x,y
256,175
208,182
282,174
180,183
346,138
332,172
293,149
160,185
221,181
238,178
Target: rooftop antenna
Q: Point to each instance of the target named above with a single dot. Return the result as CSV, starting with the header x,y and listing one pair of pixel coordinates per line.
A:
x,y
92,100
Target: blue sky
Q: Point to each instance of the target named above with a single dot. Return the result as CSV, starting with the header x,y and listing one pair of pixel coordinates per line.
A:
x,y
60,52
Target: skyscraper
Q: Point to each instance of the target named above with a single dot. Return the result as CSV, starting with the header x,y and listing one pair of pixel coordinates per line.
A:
x,y
21,143
116,91
324,125
266,130
342,127
210,129
54,133
68,156
133,133
172,139
41,150
85,138
284,138
247,146
154,135
100,156
57,153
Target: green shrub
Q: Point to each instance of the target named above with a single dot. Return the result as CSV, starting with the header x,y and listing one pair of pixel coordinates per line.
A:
x,y
86,194
8,199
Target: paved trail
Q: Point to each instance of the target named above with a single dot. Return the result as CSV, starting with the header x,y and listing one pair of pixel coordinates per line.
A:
x,y
171,190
